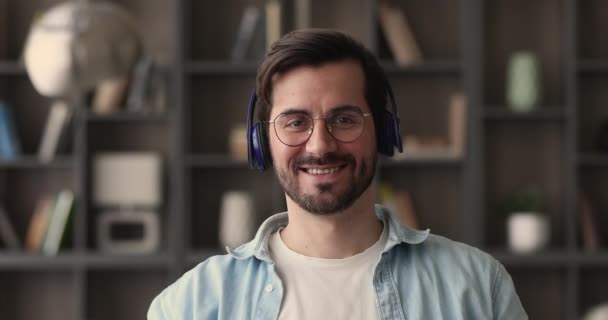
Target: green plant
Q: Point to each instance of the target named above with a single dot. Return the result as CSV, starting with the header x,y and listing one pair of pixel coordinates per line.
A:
x,y
528,199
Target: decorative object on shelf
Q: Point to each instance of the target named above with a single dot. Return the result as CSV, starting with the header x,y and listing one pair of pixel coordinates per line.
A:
x,y
110,94
128,232
127,186
54,136
10,145
237,218
599,312
589,233
75,45
238,142
451,146
399,35
8,235
601,137
523,81
528,227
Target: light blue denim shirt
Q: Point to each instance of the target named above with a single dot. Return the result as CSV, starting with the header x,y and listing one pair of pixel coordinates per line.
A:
x,y
420,276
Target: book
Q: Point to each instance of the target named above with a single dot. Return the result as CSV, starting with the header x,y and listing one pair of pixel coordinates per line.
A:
x,y
302,13
10,146
249,24
148,88
58,224
273,22
8,235
589,232
39,223
55,131
399,35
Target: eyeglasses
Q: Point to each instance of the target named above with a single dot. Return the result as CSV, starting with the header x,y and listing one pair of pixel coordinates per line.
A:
x,y
295,128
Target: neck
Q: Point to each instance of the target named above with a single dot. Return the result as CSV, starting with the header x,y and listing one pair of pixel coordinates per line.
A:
x,y
333,236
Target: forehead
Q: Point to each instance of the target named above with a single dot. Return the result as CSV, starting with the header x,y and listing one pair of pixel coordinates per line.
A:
x,y
319,89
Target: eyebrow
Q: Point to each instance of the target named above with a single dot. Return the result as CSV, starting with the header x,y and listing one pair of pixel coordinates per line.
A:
x,y
345,107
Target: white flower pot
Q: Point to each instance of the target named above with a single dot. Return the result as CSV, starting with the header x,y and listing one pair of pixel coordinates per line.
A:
x,y
528,232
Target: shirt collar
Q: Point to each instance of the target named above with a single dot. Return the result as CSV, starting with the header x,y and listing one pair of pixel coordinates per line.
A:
x,y
258,247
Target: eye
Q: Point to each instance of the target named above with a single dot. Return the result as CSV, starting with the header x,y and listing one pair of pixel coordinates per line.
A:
x,y
345,120
294,122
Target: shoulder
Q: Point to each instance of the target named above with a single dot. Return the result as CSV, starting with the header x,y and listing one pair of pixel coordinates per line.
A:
x,y
442,249
204,283
455,261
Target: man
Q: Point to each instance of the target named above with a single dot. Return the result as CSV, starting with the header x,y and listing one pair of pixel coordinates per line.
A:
x,y
334,254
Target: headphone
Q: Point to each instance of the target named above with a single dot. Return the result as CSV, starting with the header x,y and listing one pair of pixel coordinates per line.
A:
x,y
388,134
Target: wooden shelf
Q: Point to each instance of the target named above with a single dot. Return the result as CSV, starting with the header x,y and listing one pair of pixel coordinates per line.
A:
x,y
427,67
593,66
592,159
19,260
125,116
214,161
12,68
32,162
220,67
543,113
421,161
122,262
538,259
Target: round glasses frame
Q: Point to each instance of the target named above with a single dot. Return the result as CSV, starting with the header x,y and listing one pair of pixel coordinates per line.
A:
x,y
312,128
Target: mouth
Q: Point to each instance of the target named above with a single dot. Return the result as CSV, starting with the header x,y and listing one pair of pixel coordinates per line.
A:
x,y
318,171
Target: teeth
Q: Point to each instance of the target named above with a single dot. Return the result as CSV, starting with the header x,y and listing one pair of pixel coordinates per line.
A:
x,y
321,171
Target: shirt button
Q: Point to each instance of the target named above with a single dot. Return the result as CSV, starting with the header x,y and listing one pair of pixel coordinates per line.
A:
x,y
269,288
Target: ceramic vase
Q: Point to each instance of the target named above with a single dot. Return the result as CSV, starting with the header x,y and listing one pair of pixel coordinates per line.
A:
x,y
528,232
523,82
236,219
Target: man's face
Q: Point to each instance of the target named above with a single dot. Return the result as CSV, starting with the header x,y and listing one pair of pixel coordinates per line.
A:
x,y
323,175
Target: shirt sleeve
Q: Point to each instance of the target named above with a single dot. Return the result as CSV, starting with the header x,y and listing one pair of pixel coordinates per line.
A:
x,y
157,310
506,303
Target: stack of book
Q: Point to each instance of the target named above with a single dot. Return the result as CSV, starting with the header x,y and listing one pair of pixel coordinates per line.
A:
x,y
50,223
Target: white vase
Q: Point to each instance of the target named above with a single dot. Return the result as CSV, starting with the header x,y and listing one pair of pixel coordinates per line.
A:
x,y
523,81
528,232
236,219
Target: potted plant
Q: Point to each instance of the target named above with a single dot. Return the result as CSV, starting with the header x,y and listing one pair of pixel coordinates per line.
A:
x,y
527,225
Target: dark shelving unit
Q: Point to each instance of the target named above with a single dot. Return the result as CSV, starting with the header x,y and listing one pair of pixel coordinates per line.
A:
x,y
466,46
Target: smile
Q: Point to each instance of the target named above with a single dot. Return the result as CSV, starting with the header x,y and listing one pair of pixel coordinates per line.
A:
x,y
315,171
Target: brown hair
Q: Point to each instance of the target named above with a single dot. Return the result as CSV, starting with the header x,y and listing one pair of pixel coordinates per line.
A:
x,y
315,47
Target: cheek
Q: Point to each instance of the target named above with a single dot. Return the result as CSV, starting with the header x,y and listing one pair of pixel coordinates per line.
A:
x,y
281,154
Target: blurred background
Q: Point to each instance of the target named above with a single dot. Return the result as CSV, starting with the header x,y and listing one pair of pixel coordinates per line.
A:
x,y
123,158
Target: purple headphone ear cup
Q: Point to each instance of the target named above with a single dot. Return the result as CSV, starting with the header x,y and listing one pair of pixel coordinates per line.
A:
x,y
265,146
386,134
261,152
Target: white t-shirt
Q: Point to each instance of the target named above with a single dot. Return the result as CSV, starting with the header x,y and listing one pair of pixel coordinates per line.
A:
x,y
316,288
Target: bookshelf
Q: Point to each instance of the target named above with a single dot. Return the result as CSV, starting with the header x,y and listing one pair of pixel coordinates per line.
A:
x,y
466,45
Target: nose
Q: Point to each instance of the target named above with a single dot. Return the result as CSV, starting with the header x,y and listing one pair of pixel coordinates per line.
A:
x,y
321,141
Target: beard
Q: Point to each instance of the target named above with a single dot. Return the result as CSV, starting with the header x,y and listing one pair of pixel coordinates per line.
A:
x,y
324,201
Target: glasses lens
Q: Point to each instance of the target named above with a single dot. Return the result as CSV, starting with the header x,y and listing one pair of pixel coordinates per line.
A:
x,y
293,128
346,126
